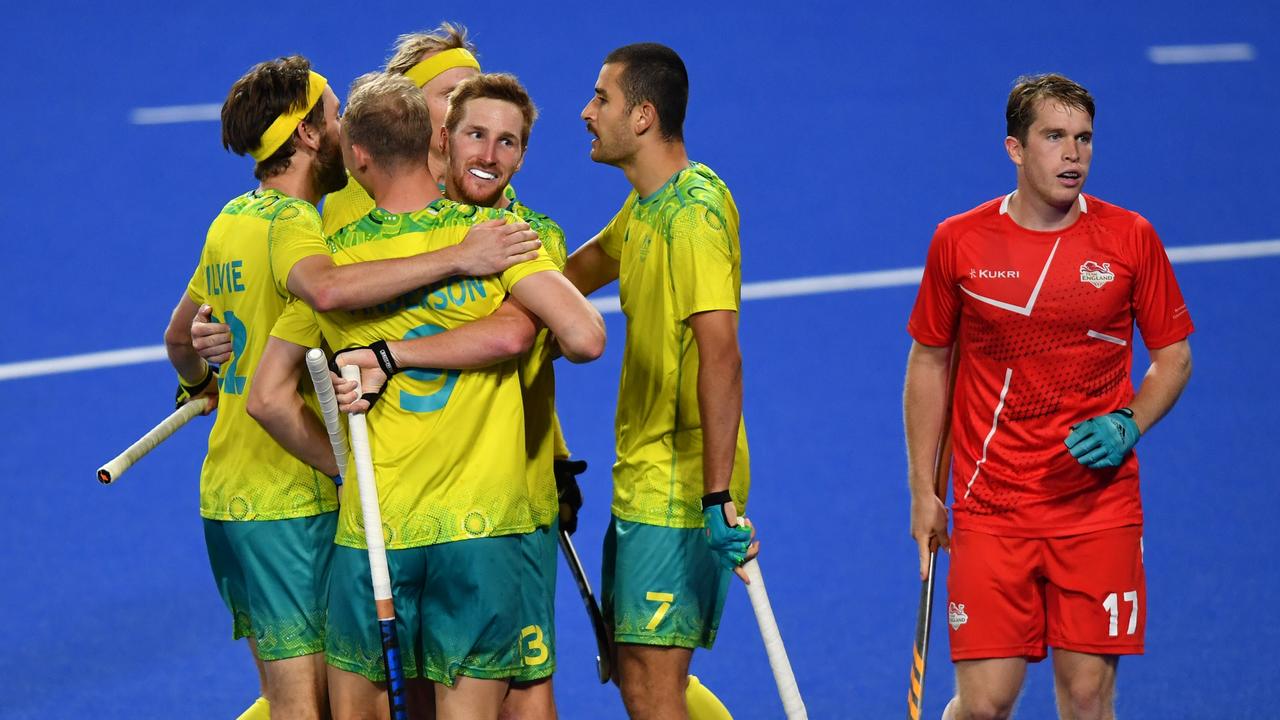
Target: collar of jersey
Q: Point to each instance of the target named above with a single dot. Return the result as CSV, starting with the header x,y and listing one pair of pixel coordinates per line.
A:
x,y
671,180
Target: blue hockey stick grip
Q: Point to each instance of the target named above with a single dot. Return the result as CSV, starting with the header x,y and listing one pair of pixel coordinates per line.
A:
x,y
396,694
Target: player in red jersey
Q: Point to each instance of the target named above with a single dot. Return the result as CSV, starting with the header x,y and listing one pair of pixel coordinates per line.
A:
x,y
1038,292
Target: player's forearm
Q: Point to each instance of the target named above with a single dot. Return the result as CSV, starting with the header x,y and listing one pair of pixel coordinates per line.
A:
x,y
720,409
924,408
177,342
576,323
365,284
1166,377
296,428
506,334
591,268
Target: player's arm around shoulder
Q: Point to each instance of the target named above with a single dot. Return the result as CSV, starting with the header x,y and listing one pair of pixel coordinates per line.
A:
x,y
576,324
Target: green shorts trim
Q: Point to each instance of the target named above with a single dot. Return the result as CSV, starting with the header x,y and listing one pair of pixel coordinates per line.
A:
x,y
661,586
540,551
456,613
273,575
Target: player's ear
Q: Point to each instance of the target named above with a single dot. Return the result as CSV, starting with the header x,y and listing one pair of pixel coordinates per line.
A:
x,y
644,116
442,140
1014,148
307,135
361,156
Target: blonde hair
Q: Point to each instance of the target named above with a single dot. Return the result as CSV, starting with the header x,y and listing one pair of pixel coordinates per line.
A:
x,y
388,117
410,48
492,86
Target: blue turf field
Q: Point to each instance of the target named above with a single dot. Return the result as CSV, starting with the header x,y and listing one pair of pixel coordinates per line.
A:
x,y
845,131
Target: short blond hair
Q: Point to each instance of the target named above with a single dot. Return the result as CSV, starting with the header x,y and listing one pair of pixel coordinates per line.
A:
x,y
388,117
410,48
492,86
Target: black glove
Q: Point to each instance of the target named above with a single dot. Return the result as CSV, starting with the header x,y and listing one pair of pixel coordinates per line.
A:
x,y
187,392
567,472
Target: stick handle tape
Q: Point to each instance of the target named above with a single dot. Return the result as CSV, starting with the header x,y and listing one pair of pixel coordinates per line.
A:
x,y
108,473
319,370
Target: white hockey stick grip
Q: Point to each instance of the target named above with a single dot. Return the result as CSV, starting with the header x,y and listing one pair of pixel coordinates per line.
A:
x,y
368,497
319,370
108,473
788,691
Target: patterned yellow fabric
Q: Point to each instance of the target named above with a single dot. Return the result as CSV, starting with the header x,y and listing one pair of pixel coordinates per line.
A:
x,y
447,446
679,255
246,474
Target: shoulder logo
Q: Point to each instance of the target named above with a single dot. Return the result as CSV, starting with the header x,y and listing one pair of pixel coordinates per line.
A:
x,y
956,615
1095,274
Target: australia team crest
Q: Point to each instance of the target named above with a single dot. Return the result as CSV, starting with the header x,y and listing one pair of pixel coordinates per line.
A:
x,y
1095,274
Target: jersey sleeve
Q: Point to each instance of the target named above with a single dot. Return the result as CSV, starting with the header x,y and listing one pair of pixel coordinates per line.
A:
x,y
1158,307
937,310
612,235
704,261
298,325
520,271
295,234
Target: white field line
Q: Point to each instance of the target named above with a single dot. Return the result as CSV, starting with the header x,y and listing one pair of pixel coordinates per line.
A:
x,y
816,285
1195,54
175,114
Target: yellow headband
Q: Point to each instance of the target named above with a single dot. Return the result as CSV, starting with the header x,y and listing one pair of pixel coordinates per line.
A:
x,y
283,126
426,71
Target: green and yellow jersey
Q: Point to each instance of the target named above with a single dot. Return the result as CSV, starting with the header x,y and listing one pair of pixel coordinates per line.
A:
x,y
678,255
246,474
447,446
353,202
543,441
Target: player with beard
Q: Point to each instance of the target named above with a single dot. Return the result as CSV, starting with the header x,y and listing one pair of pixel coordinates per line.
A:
x,y
681,475
456,504
257,499
263,246
484,139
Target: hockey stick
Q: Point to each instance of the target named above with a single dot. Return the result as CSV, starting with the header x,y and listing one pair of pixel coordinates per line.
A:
x,y
788,691
108,473
604,648
319,370
941,474
380,576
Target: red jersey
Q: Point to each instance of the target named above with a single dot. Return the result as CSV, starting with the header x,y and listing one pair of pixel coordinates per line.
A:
x,y
1044,322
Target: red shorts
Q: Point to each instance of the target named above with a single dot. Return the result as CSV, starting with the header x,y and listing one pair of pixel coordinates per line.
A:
x,y
1012,597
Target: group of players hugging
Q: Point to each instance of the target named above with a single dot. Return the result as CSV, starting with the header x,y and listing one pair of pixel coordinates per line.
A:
x,y
392,236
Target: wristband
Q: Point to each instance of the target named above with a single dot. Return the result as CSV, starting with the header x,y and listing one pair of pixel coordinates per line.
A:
x,y
337,480
715,499
193,390
385,359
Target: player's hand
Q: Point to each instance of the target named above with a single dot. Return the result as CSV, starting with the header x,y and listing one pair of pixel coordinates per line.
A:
x,y
210,339
377,365
1104,441
929,528
729,536
495,245
207,387
567,490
